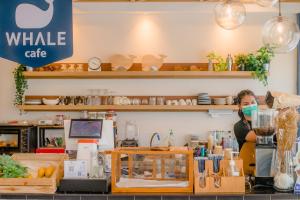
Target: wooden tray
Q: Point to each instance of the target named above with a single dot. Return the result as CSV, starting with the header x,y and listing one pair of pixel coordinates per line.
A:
x,y
229,184
35,185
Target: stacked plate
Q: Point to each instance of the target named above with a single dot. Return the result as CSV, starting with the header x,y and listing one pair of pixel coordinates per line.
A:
x,y
204,99
33,102
219,101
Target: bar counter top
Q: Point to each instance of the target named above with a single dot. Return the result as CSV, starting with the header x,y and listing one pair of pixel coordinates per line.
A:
x,y
267,195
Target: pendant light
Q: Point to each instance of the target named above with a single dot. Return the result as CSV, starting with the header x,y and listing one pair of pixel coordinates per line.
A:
x,y
230,14
281,33
266,3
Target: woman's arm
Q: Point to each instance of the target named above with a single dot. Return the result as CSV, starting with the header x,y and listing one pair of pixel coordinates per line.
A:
x,y
251,136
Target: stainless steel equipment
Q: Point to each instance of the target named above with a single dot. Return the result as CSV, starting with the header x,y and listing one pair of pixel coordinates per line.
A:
x,y
263,123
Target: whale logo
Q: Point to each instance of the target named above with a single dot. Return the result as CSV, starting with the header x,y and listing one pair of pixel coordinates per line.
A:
x,y
29,16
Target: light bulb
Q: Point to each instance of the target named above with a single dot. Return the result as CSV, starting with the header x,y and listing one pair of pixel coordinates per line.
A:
x,y
230,14
266,3
281,33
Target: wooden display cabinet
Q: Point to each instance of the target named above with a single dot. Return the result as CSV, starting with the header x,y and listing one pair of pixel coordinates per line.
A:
x,y
145,170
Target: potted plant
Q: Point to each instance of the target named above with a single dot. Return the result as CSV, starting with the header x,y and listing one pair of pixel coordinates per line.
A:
x,y
264,55
240,61
21,84
253,64
211,57
219,62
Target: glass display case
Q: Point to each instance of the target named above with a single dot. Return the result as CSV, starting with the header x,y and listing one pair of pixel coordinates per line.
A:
x,y
142,169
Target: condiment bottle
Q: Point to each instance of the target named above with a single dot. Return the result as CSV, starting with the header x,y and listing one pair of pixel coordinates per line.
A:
x,y
229,62
232,170
210,143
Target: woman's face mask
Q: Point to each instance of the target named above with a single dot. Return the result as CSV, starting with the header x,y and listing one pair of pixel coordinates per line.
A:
x,y
247,110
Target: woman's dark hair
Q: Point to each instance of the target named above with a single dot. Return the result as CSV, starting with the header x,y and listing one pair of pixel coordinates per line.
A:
x,y
239,98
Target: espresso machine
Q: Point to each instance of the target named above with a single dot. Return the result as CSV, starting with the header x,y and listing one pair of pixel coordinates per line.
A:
x,y
263,124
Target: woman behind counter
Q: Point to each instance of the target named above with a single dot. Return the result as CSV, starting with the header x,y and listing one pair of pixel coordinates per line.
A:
x,y
246,100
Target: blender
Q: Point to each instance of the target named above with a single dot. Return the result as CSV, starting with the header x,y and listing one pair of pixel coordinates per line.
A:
x,y
263,124
131,135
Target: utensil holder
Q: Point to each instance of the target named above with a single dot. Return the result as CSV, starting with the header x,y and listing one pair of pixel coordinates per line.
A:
x,y
228,184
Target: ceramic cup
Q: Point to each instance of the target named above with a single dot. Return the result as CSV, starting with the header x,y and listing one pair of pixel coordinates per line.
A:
x,y
117,100
194,102
229,100
182,102
174,103
189,102
169,102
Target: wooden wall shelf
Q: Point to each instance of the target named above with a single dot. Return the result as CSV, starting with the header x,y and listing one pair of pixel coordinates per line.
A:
x,y
129,108
139,75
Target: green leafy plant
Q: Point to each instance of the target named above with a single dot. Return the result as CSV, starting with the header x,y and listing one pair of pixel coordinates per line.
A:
x,y
240,61
255,62
10,168
265,54
251,62
21,84
219,61
261,74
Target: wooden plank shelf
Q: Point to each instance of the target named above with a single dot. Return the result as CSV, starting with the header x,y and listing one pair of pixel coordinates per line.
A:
x,y
139,75
128,108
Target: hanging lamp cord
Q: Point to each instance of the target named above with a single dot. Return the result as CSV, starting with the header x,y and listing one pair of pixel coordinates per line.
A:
x,y
279,7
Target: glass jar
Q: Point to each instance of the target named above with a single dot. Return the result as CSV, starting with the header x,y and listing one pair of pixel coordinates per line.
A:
x,y
92,115
101,115
160,100
59,120
152,100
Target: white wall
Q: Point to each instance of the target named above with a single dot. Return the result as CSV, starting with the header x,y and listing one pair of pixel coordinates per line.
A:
x,y
182,35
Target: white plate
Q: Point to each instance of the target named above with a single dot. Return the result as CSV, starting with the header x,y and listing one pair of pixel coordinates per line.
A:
x,y
33,103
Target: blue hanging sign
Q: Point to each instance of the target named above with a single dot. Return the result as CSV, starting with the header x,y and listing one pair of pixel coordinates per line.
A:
x,y
36,32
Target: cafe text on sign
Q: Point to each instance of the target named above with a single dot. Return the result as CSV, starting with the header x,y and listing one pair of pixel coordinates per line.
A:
x,y
36,32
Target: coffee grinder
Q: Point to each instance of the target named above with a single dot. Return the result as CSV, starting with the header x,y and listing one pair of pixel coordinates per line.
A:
x,y
263,123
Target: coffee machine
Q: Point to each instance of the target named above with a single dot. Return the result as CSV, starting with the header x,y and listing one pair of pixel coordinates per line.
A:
x,y
263,124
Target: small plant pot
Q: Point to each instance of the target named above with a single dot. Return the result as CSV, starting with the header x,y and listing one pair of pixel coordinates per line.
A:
x,y
241,67
266,66
210,66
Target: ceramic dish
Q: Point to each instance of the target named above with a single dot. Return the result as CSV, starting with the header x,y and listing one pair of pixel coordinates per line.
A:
x,y
219,101
121,62
152,63
33,102
50,101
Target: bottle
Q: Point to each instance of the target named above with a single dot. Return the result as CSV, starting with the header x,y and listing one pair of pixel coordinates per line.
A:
x,y
232,170
230,141
210,143
229,62
222,143
171,142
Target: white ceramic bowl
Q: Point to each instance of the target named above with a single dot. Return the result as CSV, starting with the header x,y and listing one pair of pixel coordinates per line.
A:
x,y
50,101
219,101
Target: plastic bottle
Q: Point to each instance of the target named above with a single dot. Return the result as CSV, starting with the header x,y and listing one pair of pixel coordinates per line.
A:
x,y
171,142
230,141
232,169
210,143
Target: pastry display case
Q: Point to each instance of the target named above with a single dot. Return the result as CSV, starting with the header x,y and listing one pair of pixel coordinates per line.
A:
x,y
152,170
